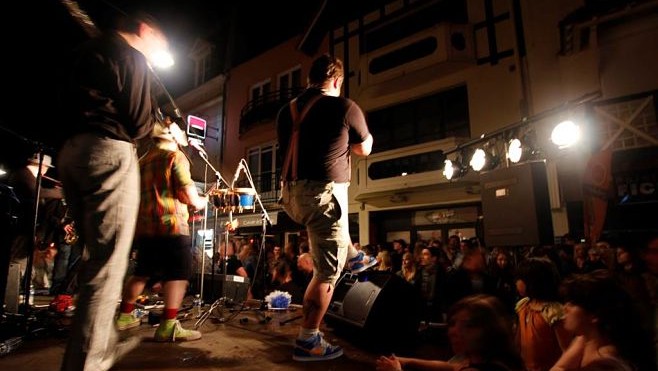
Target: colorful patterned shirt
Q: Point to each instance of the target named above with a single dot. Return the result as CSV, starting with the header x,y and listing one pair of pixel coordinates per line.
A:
x,y
164,176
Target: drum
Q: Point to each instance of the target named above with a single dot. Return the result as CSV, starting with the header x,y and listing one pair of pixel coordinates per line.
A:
x,y
224,200
246,198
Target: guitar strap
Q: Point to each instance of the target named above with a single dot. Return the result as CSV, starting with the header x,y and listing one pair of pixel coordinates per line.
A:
x,y
290,162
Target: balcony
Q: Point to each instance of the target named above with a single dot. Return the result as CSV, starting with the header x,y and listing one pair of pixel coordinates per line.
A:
x,y
265,108
421,183
267,185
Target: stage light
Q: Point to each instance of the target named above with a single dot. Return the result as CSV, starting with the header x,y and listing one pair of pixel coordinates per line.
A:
x,y
453,169
2,172
478,160
514,150
162,59
565,134
449,169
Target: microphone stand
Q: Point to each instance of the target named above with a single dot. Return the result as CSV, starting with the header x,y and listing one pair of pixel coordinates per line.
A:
x,y
219,179
265,220
223,299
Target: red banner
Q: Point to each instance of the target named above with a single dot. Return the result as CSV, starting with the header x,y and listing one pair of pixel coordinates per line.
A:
x,y
597,188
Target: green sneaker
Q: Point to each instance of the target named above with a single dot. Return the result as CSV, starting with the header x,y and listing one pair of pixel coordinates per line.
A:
x,y
171,330
126,321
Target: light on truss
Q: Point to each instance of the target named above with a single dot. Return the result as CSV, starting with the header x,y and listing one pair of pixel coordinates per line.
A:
x,y
478,160
565,134
514,150
2,172
449,169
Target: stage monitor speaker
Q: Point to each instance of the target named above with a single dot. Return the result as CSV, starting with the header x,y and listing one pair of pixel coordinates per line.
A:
x,y
381,306
516,206
232,287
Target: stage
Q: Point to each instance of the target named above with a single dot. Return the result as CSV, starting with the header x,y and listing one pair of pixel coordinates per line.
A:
x,y
248,340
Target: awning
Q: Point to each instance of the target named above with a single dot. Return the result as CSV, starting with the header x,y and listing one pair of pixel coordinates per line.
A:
x,y
249,219
439,193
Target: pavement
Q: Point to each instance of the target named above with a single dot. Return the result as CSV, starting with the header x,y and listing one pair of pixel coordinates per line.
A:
x,y
233,339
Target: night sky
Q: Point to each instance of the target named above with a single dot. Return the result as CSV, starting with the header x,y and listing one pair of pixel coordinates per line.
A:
x,y
40,34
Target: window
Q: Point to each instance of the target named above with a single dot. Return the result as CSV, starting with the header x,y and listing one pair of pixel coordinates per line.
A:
x,y
435,117
264,167
206,67
260,92
289,82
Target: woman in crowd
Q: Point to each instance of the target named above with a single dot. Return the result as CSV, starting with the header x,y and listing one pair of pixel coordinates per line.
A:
x,y
540,332
480,334
408,271
609,334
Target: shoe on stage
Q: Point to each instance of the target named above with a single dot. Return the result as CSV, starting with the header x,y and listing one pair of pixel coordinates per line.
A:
x,y
360,263
315,349
126,321
172,331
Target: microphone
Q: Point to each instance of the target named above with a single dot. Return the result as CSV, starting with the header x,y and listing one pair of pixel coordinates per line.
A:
x,y
237,173
197,144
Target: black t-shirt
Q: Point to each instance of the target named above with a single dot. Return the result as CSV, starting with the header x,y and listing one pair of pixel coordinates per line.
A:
x,y
325,135
232,265
108,91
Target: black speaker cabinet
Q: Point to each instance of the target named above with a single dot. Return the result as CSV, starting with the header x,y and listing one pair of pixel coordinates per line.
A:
x,y
379,305
516,206
230,286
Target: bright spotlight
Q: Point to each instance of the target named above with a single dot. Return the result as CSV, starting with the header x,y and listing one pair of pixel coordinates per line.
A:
x,y
2,172
514,151
162,59
448,170
565,134
478,160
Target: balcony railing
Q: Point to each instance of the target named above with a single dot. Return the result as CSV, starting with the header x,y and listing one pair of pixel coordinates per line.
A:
x,y
265,107
267,186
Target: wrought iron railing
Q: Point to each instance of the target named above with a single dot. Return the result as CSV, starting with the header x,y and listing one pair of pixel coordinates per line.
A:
x,y
267,185
265,107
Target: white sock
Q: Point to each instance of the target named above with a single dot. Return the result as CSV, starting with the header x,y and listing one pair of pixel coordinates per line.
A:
x,y
305,333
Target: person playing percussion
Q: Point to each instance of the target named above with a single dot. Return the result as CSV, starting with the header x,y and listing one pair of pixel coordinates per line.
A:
x,y
163,235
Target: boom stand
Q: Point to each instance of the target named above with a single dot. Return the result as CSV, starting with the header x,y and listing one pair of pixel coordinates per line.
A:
x,y
219,179
265,220
222,301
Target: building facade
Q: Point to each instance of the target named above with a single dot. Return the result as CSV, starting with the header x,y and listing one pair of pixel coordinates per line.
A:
x,y
438,79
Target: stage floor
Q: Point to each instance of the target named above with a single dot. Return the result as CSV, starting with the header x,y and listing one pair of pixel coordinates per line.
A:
x,y
248,340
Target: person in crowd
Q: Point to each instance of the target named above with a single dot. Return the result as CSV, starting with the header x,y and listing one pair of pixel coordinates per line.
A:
x,y
248,258
502,271
408,270
453,253
630,273
228,261
480,334
163,238
399,248
431,283
540,330
609,333
326,129
282,281
108,103
385,262
470,278
649,255
273,259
